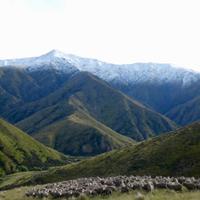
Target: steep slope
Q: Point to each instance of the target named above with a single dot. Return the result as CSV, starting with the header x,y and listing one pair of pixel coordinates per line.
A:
x,y
7,100
186,113
19,152
26,87
36,99
19,87
173,154
90,94
22,93
161,97
80,134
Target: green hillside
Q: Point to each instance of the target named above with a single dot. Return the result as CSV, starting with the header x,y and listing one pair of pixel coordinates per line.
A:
x,y
80,134
186,113
19,152
173,154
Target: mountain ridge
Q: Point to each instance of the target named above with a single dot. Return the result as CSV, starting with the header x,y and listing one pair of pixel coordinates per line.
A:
x,y
106,70
186,113
100,101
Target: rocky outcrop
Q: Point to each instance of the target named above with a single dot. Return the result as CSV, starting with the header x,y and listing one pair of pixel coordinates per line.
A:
x,y
106,186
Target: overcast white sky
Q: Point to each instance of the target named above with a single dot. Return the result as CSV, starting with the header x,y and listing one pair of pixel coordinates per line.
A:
x,y
118,31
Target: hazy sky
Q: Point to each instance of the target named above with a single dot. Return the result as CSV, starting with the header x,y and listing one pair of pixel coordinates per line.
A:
x,y
119,31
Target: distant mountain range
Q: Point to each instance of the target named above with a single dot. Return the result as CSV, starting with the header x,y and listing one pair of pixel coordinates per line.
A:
x,y
83,106
161,87
124,73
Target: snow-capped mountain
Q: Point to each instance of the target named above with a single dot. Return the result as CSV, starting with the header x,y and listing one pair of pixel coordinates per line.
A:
x,y
52,60
161,87
125,73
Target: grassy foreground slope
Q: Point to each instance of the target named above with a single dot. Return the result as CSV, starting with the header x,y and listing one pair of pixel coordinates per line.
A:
x,y
173,154
19,152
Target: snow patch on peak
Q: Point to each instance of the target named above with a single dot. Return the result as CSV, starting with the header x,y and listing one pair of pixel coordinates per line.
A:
x,y
140,72
51,60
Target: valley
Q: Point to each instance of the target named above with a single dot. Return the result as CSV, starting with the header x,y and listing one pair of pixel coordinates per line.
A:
x,y
64,118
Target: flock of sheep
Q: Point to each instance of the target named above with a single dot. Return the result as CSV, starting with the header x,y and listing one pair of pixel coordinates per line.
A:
x,y
106,186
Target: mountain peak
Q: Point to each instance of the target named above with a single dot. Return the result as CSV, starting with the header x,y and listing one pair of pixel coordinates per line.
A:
x,y
55,53
58,55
